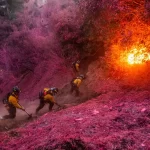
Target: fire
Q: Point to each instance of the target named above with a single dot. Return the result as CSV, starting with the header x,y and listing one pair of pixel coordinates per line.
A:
x,y
138,56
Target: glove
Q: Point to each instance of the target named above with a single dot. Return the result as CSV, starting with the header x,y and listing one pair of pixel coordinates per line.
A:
x,y
7,107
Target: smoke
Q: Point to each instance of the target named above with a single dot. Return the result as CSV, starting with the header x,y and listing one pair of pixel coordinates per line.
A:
x,y
47,36
37,46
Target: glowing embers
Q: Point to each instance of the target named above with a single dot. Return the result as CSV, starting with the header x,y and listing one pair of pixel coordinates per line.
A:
x,y
138,56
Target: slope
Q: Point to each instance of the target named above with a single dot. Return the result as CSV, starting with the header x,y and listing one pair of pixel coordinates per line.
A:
x,y
115,120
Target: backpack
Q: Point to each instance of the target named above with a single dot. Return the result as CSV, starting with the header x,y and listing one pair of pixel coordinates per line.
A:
x,y
5,99
41,95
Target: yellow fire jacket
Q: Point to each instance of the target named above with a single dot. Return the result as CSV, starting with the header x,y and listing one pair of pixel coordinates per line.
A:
x,y
77,67
77,82
13,99
49,97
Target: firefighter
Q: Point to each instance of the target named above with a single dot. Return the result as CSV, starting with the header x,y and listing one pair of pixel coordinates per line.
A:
x,y
47,96
11,103
76,67
75,84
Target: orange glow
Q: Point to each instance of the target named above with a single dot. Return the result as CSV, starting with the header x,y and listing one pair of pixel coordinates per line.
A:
x,y
138,56
130,63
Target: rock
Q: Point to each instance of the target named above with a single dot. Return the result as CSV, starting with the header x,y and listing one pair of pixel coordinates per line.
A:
x,y
79,119
143,109
95,112
142,145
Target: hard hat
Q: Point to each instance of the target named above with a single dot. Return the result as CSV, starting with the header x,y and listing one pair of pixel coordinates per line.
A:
x,y
16,89
78,61
54,90
82,76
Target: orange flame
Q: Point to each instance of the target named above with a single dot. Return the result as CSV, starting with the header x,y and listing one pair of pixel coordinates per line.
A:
x,y
138,56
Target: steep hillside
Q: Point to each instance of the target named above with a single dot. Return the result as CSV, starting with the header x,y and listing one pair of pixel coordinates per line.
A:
x,y
37,48
114,120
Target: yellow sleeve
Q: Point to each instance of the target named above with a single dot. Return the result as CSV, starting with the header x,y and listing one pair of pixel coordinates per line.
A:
x,y
75,81
49,97
78,83
14,101
77,67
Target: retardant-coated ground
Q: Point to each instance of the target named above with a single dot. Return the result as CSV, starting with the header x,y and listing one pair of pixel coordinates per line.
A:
x,y
113,120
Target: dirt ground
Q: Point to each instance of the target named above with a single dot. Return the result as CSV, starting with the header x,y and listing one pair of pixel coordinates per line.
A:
x,y
111,121
64,98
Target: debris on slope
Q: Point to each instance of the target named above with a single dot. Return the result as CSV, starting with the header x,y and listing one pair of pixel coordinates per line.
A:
x,y
119,123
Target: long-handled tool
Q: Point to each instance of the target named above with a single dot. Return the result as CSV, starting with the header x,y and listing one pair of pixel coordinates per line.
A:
x,y
60,106
30,115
